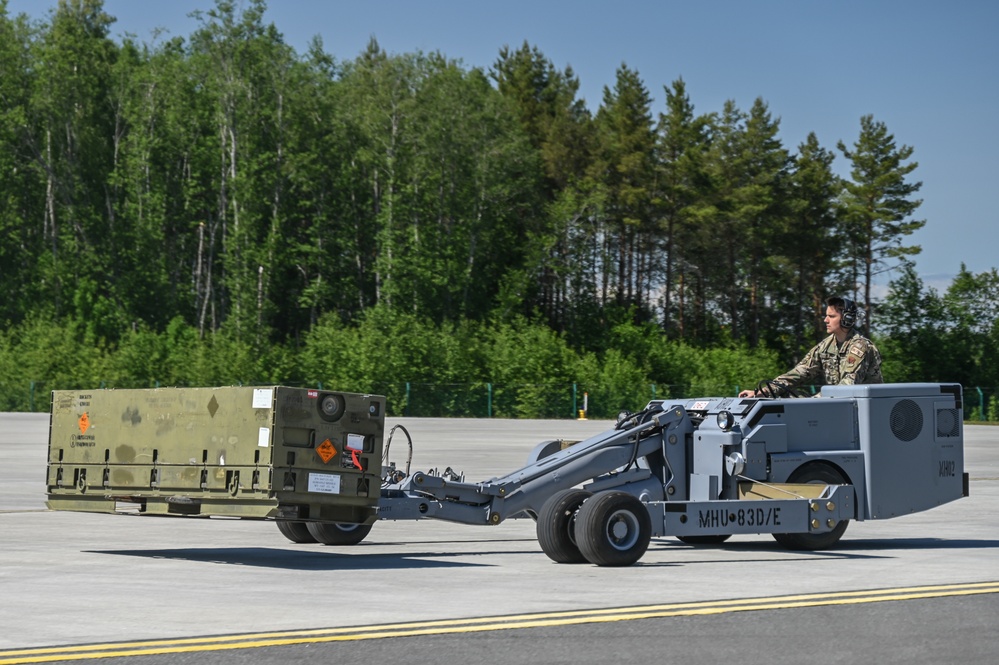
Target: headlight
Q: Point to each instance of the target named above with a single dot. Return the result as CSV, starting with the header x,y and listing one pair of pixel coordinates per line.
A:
x,y
725,420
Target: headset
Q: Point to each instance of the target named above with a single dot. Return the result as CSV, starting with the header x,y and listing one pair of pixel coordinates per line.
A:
x,y
847,307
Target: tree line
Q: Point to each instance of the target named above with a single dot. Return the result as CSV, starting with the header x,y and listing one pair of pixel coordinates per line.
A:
x,y
223,191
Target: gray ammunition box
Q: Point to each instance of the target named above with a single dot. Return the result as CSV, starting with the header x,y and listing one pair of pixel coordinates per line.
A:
x,y
250,452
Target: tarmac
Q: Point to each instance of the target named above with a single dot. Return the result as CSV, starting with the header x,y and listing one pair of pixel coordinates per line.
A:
x,y
82,578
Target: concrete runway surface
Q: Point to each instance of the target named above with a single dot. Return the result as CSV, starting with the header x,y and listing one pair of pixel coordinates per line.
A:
x,y
90,579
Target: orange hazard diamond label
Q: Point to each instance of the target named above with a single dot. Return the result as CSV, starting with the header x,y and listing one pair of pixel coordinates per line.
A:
x,y
83,422
326,450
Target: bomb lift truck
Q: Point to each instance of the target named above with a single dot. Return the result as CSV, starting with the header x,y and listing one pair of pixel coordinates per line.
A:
x,y
700,470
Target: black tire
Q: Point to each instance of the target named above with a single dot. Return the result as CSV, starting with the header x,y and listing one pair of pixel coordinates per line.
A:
x,y
296,532
613,529
704,540
816,473
556,526
339,533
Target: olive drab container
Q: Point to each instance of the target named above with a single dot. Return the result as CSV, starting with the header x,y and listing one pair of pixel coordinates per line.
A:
x,y
249,452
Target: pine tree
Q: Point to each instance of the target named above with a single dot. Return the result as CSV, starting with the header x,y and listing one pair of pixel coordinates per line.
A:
x,y
557,275
625,171
544,99
811,248
878,206
762,208
682,139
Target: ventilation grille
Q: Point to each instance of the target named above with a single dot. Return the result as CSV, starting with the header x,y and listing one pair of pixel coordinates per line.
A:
x,y
948,423
906,420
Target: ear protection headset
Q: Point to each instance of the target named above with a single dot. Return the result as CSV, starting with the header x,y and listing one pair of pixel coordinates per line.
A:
x,y
849,310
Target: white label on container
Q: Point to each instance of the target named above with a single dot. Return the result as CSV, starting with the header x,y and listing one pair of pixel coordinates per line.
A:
x,y
262,398
325,483
355,442
263,437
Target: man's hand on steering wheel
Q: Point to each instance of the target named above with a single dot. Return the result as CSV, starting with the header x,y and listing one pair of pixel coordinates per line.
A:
x,y
768,388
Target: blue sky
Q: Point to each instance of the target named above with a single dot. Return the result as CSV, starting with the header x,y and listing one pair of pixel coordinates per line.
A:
x,y
928,70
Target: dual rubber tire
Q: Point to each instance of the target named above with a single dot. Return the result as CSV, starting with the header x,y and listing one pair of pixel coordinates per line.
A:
x,y
556,526
327,533
607,529
296,532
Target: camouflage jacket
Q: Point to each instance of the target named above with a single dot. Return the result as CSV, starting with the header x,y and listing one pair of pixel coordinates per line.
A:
x,y
855,361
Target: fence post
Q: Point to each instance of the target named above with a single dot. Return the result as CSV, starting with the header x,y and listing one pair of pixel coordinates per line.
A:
x,y
31,397
574,411
489,400
406,408
981,404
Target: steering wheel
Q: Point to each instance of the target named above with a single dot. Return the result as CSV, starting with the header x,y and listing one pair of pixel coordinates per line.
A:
x,y
770,388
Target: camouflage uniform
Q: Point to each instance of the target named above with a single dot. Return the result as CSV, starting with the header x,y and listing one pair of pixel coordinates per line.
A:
x,y
855,361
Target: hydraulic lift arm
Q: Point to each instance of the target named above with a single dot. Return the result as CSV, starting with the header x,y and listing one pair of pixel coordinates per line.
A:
x,y
526,489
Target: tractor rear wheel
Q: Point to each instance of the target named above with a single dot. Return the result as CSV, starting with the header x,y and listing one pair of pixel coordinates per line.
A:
x,y
821,474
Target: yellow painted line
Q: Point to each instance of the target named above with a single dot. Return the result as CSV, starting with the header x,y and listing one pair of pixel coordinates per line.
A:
x,y
480,624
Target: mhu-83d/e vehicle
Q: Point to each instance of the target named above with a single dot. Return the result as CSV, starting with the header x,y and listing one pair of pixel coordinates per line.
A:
x,y
700,470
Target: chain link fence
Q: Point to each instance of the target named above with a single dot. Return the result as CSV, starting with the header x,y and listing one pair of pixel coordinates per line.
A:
x,y
440,400
494,400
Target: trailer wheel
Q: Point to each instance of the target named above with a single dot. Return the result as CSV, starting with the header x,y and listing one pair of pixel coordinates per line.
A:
x,y
556,526
613,529
822,474
296,532
338,533
704,540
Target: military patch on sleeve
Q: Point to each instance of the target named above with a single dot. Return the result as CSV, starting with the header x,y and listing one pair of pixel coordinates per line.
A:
x,y
852,359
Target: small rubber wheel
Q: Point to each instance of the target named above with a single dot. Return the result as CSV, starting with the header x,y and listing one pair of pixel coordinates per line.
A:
x,y
821,474
613,529
704,540
556,526
338,533
296,532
